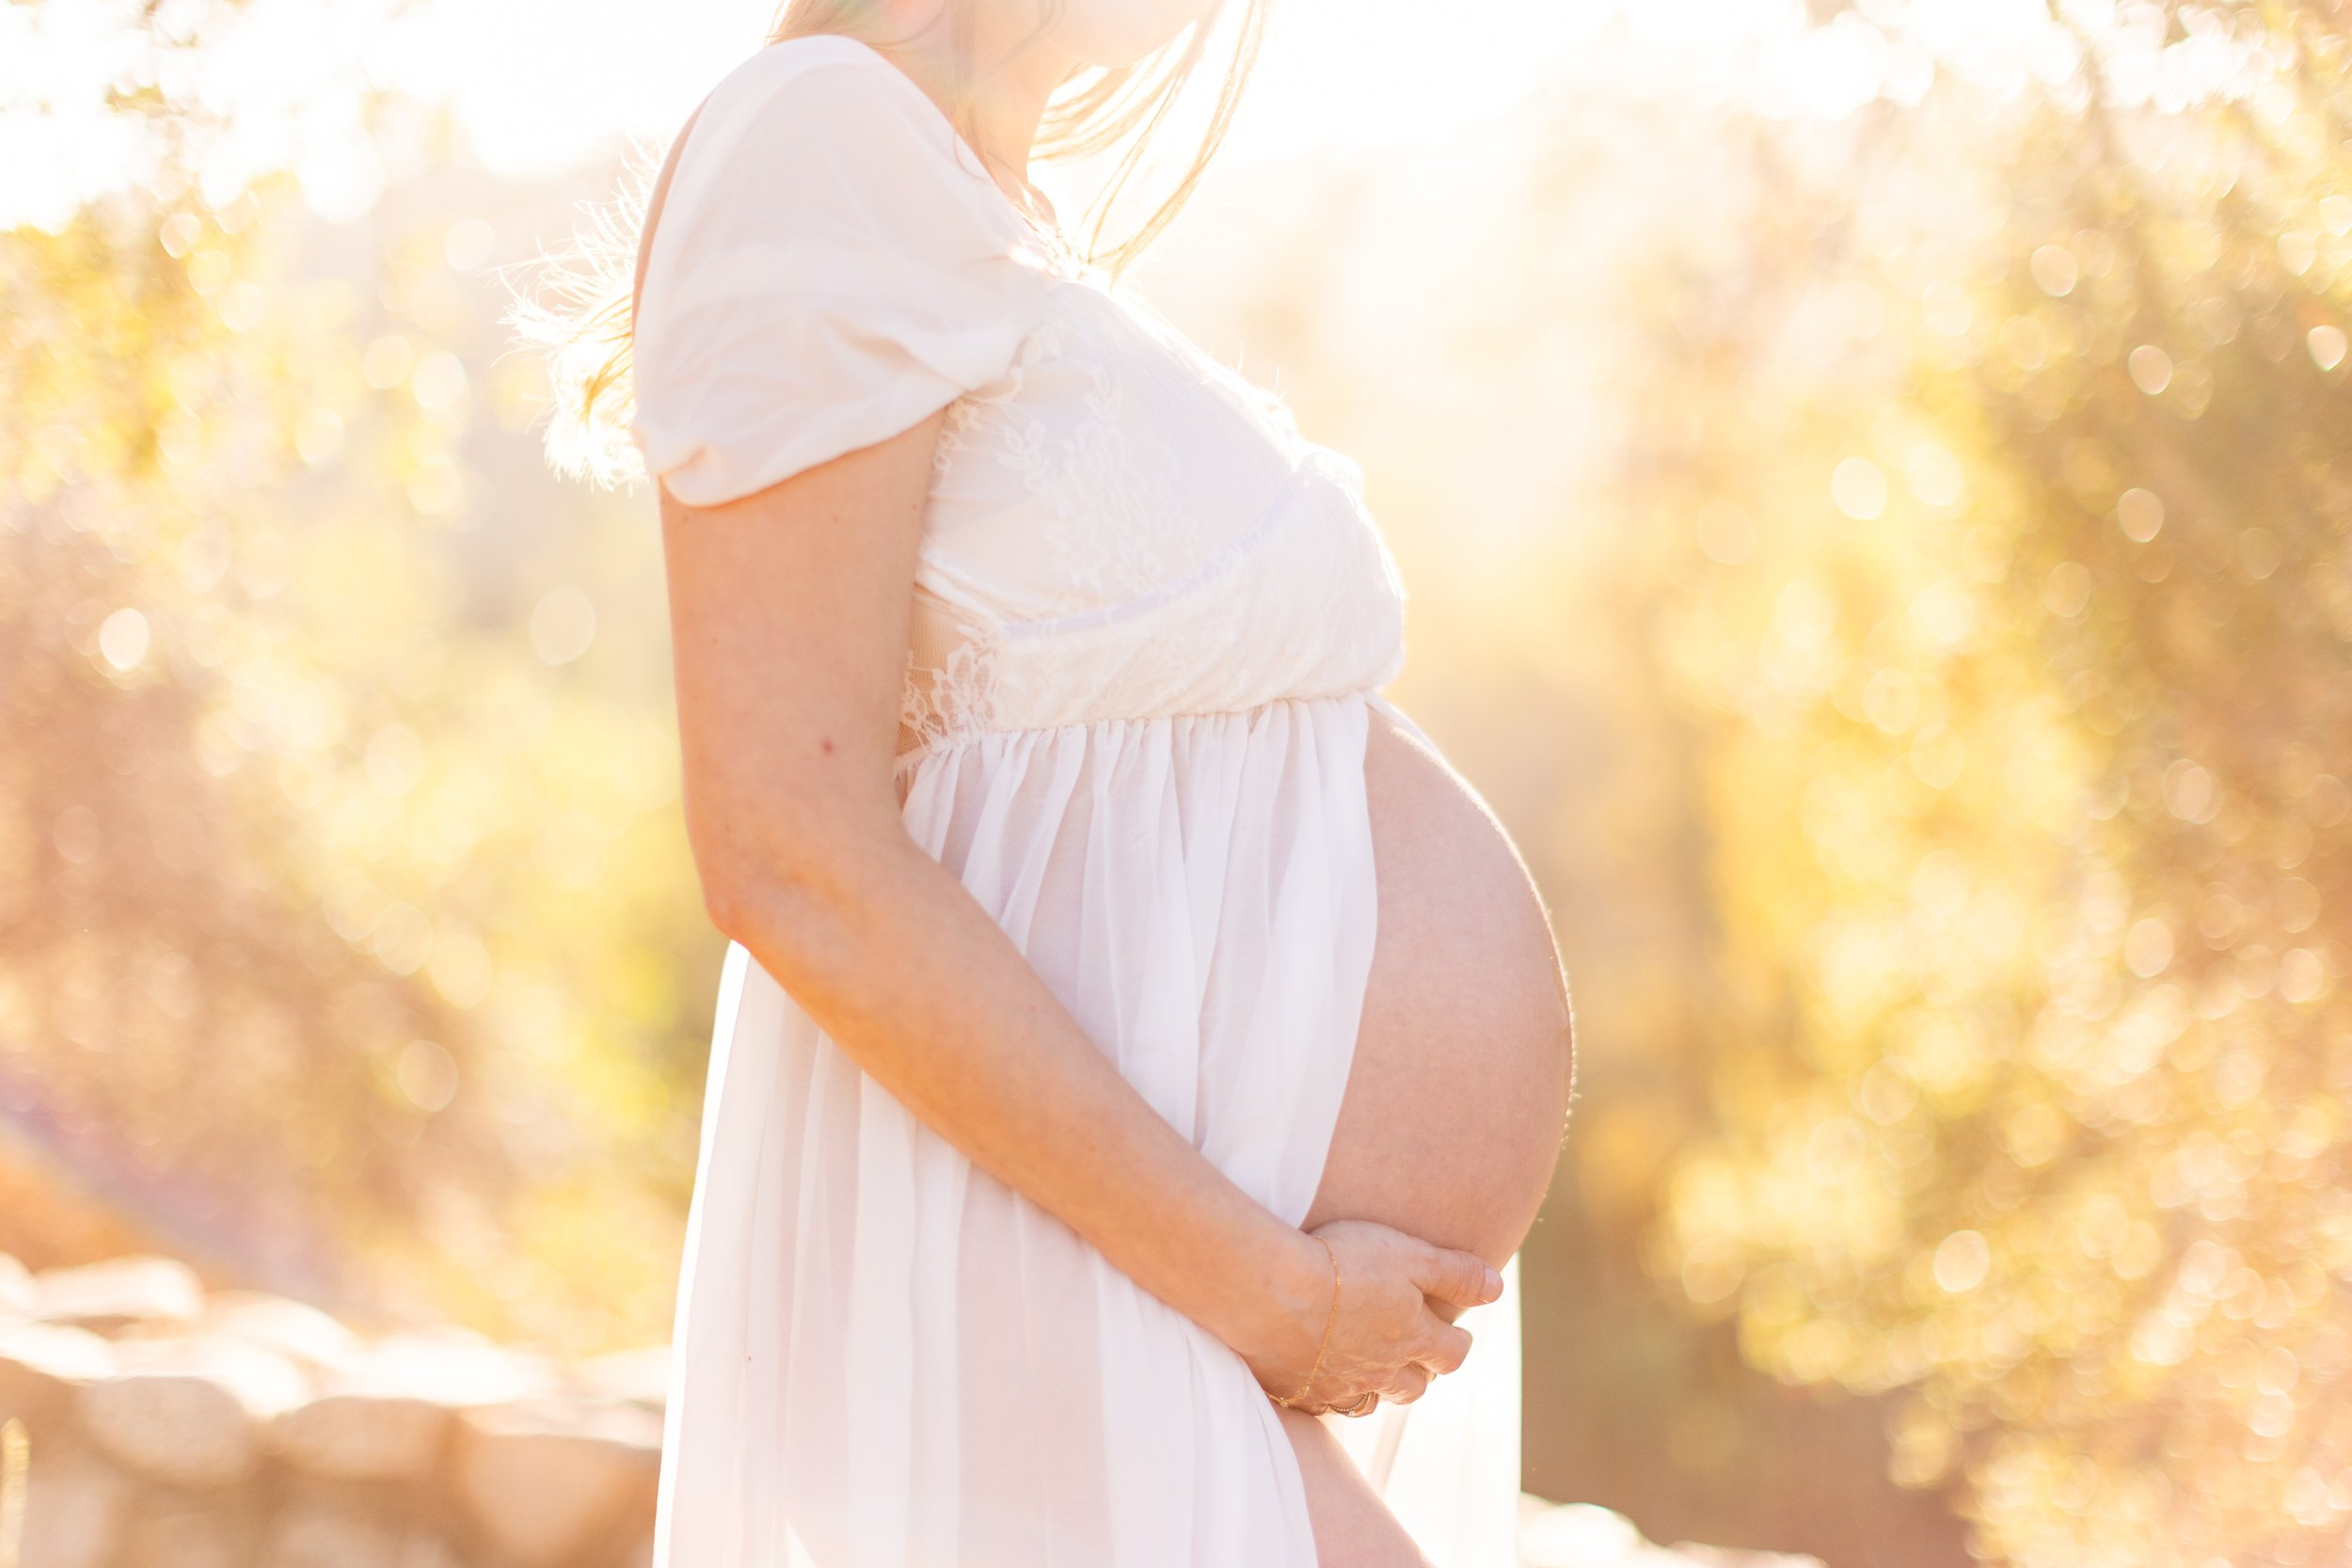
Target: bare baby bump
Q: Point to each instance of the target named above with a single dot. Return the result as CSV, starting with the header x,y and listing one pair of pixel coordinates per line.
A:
x,y
1459,1095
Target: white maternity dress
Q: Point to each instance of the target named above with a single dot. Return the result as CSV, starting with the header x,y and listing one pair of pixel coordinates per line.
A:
x,y
1150,621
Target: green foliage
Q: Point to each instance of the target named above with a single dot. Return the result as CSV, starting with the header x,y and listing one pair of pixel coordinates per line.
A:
x,y
341,914
1891,571
2030,758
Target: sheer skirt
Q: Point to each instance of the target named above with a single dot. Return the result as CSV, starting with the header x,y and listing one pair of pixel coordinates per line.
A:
x,y
886,1358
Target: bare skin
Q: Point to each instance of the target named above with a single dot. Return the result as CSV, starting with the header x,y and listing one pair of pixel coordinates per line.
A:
x,y
1464,1067
805,861
1464,1058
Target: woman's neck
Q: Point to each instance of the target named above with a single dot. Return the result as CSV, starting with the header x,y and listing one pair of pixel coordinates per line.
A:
x,y
1007,101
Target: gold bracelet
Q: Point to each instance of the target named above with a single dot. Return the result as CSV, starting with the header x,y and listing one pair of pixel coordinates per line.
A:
x,y
1329,1319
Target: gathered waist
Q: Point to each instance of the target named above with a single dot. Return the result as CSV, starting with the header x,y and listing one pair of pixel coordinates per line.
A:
x,y
908,761
1304,602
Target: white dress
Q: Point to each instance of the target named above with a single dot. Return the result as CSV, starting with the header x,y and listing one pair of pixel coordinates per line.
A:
x,y
1150,621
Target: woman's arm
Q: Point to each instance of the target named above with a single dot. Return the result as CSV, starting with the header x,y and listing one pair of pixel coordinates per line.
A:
x,y
790,614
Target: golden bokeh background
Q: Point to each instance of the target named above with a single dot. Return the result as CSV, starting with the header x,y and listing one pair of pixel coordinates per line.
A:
x,y
1871,480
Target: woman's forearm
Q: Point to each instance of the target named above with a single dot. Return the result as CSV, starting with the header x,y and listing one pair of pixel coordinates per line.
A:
x,y
895,960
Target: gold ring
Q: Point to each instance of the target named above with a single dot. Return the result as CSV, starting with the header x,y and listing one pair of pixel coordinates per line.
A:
x,y
1362,1407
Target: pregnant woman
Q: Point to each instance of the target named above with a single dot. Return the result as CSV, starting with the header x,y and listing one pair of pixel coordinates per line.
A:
x,y
1136,1045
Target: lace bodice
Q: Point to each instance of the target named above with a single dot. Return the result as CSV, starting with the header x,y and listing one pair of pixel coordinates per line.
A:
x,y
1122,528
1149,619
1118,525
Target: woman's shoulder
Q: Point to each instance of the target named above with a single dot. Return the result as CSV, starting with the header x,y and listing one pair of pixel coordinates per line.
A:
x,y
822,127
823,272
770,67
826,96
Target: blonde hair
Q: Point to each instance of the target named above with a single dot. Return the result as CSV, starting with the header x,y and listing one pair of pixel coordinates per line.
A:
x,y
577,311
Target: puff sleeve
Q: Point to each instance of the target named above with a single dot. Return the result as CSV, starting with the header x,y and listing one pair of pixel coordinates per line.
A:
x,y
830,266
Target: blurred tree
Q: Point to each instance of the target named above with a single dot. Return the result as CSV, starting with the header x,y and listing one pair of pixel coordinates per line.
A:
x,y
1888,567
339,915
1918,528
2032,1047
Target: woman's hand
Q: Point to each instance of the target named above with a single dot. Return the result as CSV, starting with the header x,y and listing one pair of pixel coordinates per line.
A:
x,y
1384,1336
807,861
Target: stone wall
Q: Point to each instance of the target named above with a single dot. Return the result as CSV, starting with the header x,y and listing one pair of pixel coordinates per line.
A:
x,y
173,1428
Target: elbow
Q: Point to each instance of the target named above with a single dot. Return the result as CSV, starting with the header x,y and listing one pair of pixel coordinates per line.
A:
x,y
777,914
795,886
729,903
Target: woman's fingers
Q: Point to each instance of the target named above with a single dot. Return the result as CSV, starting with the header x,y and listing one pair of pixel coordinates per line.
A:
x,y
1447,1348
1409,1383
1461,1278
1393,1333
1443,1349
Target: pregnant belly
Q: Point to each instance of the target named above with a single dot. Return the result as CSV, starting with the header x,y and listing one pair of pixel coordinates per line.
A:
x,y
1458,1098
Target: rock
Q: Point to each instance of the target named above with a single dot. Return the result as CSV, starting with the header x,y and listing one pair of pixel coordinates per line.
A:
x,y
319,1537
1583,1535
293,1329
427,1551
264,1382
544,1483
453,1367
1726,1556
188,1414
118,1292
74,1509
166,1531
1580,1535
639,1377
182,1430
362,1437
40,1365
243,1430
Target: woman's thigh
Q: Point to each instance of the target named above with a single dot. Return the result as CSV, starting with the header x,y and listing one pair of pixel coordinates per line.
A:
x,y
1353,1528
